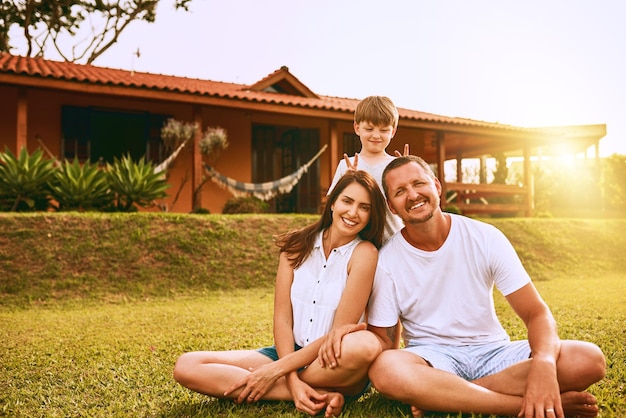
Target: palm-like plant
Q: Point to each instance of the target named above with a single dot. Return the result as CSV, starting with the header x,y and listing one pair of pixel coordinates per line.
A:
x,y
135,183
80,187
24,180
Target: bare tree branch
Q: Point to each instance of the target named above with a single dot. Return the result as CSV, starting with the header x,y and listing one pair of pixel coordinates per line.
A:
x,y
48,23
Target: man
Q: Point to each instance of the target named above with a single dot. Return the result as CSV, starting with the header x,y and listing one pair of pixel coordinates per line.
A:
x,y
437,276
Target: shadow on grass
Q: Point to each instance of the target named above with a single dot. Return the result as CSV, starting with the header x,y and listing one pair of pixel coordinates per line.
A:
x,y
375,406
226,408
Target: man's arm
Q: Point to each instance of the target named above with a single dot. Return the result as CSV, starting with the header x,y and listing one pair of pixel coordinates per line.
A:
x,y
389,336
542,388
542,330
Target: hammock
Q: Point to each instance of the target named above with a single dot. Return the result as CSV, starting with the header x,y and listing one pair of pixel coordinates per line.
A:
x,y
263,191
166,163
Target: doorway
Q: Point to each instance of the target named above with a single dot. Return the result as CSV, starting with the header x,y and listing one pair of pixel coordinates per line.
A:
x,y
278,151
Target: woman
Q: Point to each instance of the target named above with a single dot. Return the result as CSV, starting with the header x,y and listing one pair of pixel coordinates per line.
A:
x,y
325,275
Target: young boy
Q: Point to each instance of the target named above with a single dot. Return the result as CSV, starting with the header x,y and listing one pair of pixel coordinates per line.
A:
x,y
375,123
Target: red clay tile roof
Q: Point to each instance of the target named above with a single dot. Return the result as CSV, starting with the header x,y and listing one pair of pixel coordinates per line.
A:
x,y
56,70
283,81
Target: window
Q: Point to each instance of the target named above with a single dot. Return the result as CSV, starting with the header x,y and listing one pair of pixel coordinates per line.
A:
x,y
100,135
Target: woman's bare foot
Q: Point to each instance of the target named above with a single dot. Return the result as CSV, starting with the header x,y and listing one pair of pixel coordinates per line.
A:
x,y
334,404
579,404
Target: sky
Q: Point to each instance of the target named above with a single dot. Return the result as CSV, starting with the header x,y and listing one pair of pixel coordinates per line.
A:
x,y
527,63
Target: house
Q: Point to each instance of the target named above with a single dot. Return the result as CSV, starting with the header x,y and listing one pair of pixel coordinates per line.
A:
x,y
274,126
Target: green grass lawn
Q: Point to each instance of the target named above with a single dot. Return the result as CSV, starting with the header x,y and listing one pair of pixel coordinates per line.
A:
x,y
79,341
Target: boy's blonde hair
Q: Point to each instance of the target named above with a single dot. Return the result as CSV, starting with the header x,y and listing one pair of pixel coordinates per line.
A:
x,y
378,110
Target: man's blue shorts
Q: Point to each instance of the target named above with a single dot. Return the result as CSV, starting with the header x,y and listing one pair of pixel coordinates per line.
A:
x,y
473,361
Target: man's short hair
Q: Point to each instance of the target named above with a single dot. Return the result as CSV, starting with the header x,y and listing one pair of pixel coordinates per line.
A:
x,y
400,161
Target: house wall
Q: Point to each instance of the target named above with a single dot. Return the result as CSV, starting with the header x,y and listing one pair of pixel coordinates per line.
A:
x,y
236,161
44,122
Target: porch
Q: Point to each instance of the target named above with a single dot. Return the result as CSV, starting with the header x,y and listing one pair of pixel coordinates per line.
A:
x,y
488,199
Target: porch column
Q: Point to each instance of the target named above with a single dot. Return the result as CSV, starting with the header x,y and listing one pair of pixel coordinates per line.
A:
x,y
197,168
459,167
333,154
441,157
530,183
22,120
482,171
597,163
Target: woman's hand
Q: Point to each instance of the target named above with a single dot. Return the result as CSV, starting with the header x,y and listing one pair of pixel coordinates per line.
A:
x,y
256,384
330,350
305,398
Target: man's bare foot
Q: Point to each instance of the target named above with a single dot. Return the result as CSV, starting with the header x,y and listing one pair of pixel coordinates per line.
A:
x,y
334,404
416,412
579,404
575,404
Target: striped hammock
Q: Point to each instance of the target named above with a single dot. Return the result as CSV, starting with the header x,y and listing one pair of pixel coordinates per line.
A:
x,y
263,191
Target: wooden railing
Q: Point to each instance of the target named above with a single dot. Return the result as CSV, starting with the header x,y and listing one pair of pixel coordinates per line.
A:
x,y
479,198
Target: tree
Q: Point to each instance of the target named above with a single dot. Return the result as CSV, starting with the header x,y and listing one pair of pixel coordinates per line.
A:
x,y
613,183
214,140
47,23
175,134
501,173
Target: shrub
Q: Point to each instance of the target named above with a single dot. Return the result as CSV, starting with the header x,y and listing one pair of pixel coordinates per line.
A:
x,y
201,211
24,180
452,209
245,205
135,183
81,188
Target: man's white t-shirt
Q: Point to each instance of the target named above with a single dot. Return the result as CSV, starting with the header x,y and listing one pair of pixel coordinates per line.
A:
x,y
393,223
316,291
446,296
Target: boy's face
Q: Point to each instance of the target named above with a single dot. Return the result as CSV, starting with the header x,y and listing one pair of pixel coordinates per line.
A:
x,y
374,138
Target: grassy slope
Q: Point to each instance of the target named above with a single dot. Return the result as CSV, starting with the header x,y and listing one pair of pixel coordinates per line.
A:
x,y
97,256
